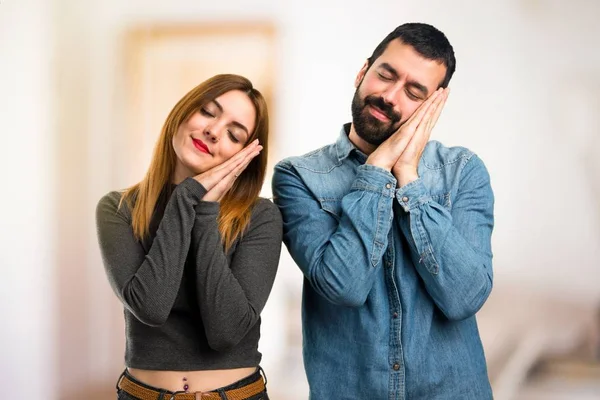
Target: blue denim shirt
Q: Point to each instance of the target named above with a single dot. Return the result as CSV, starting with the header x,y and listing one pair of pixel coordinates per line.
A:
x,y
393,276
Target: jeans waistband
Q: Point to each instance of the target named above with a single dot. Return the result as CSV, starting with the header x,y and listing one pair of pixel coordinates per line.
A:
x,y
239,390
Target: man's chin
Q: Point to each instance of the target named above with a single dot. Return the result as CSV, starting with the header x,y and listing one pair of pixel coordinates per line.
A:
x,y
372,139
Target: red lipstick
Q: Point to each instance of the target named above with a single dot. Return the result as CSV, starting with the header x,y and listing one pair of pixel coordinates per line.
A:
x,y
199,144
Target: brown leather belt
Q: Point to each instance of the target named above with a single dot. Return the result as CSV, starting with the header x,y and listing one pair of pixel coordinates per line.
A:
x,y
143,393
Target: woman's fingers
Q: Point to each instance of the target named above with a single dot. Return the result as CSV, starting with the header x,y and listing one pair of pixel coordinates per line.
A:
x,y
219,190
230,164
214,175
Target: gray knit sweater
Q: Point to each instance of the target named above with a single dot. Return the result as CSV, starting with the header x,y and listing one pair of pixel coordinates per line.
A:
x,y
188,304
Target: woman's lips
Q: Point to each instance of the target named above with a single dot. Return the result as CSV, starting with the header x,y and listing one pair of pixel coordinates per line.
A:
x,y
201,146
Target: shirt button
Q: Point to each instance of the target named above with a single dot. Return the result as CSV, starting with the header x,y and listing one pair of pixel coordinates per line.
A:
x,y
388,185
405,199
395,315
396,367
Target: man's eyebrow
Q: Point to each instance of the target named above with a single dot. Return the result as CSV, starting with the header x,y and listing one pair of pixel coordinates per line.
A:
x,y
234,123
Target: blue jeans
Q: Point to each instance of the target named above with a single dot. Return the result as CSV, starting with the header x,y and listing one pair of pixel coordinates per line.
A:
x,y
122,395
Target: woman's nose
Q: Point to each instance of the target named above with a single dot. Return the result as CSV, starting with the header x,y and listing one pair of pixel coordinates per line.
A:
x,y
208,132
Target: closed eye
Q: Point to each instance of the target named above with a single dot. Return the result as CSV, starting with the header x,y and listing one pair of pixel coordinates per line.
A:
x,y
232,137
204,111
413,96
384,77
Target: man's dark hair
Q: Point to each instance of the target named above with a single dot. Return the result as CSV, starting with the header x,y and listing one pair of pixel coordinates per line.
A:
x,y
427,41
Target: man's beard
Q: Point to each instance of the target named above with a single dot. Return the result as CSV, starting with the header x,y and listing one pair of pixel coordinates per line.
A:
x,y
369,128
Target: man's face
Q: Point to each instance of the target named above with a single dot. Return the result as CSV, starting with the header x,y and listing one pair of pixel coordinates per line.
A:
x,y
392,89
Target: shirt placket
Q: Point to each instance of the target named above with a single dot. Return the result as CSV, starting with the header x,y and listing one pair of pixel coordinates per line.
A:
x,y
396,358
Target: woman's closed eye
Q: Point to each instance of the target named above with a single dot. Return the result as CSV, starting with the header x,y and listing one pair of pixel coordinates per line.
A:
x,y
207,113
233,138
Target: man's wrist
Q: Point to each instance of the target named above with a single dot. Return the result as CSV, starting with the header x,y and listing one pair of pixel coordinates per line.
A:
x,y
404,177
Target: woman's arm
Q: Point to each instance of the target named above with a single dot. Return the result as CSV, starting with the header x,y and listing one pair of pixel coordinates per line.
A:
x,y
232,296
147,284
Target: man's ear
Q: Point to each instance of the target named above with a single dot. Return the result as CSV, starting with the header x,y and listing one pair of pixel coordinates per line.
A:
x,y
361,74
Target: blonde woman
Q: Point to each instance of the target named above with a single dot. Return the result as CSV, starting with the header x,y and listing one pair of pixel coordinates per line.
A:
x,y
192,251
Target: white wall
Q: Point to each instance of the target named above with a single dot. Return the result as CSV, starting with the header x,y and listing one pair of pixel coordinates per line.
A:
x,y
27,253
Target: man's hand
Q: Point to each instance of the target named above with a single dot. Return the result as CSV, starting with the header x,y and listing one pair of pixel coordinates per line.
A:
x,y
390,155
405,168
218,180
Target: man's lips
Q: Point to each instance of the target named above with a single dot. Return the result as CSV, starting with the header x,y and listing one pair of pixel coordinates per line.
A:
x,y
200,146
377,113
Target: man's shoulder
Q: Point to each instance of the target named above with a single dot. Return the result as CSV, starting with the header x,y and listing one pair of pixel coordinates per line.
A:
x,y
436,155
321,159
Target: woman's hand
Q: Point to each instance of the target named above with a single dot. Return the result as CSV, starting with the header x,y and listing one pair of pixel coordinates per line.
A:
x,y
218,180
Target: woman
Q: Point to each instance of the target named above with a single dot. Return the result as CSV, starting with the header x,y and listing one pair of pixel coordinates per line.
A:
x,y
192,251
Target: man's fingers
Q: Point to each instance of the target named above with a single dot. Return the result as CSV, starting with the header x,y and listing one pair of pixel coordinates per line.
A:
x,y
423,131
418,115
438,110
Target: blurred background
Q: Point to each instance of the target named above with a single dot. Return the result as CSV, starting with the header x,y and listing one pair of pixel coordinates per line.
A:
x,y
85,87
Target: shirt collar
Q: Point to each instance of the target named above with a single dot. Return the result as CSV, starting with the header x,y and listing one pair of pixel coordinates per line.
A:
x,y
345,147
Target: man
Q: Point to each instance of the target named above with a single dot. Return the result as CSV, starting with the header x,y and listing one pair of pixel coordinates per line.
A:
x,y
392,233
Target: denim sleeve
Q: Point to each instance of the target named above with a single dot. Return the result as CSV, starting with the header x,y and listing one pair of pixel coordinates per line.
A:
x,y
338,254
452,249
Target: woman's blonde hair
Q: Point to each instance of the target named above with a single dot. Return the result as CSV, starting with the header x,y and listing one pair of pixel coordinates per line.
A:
x,y
237,203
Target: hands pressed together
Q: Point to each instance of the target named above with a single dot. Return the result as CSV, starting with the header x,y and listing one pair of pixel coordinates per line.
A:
x,y
218,180
401,152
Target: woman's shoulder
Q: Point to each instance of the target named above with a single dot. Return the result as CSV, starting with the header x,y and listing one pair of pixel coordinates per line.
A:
x,y
112,203
265,210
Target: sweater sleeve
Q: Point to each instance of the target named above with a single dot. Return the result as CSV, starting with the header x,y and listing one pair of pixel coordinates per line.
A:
x,y
232,295
147,284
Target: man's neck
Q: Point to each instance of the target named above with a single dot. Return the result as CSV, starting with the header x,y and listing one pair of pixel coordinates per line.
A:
x,y
359,142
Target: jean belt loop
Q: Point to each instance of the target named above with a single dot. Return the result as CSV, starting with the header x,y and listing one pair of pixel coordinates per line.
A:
x,y
262,371
120,377
222,394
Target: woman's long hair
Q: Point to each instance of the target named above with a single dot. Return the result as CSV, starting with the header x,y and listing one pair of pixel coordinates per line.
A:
x,y
236,205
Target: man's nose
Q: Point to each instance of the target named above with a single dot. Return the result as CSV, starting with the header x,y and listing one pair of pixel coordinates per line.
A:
x,y
390,95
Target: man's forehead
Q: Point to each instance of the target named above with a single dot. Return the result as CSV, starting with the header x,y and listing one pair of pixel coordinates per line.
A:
x,y
406,61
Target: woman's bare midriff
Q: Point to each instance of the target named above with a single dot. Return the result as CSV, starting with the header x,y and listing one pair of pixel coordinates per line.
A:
x,y
196,381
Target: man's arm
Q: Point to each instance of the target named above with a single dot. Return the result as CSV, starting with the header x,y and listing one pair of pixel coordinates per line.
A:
x,y
339,255
452,250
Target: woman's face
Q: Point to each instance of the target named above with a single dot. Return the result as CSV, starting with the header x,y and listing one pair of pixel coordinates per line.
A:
x,y
213,134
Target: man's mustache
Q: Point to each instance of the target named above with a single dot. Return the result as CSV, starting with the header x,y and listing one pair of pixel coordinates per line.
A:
x,y
384,106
